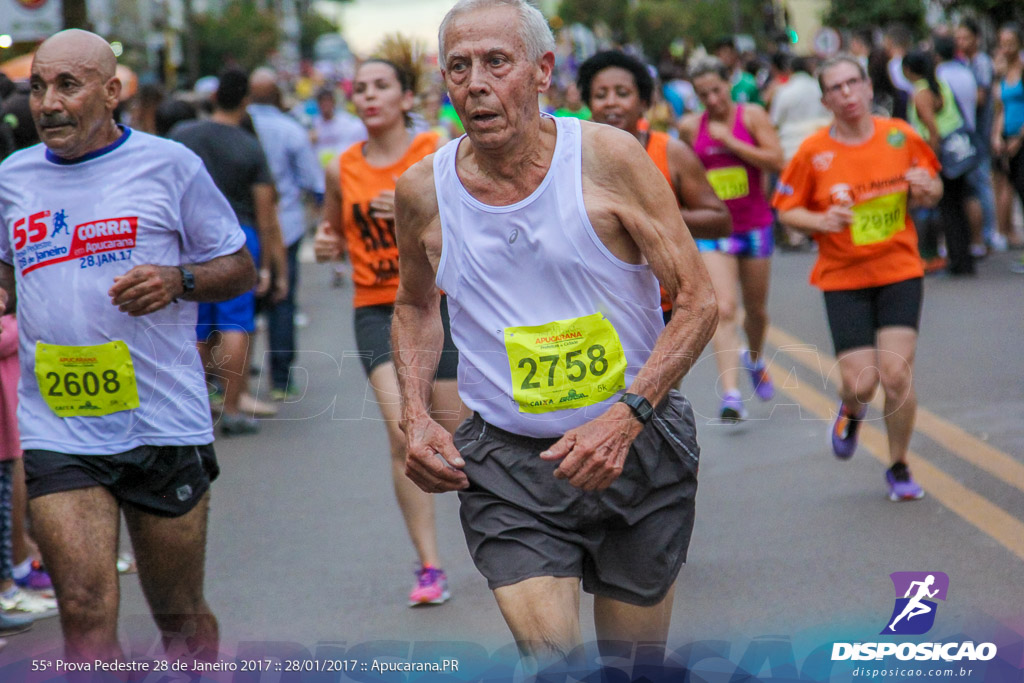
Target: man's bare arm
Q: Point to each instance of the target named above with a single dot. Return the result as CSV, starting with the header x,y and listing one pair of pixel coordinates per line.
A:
x,y
705,214
273,258
645,210
624,184
148,288
417,334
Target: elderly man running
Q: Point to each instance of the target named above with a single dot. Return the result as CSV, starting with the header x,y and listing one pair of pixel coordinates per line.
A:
x,y
549,237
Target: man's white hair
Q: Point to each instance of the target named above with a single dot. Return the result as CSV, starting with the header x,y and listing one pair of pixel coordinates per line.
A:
x,y
533,27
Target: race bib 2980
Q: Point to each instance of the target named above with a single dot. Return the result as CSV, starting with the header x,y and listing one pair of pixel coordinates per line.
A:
x,y
878,219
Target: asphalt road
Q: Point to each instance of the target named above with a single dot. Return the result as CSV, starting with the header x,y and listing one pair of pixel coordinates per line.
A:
x,y
792,550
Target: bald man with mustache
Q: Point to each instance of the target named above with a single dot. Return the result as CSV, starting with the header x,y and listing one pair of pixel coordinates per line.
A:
x,y
109,238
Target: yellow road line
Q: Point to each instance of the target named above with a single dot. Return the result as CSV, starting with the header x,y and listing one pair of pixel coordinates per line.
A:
x,y
954,439
974,508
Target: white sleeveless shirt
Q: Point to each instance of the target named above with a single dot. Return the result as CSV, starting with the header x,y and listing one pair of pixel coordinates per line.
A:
x,y
550,326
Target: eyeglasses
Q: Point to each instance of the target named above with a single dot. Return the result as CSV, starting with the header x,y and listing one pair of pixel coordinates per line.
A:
x,y
838,87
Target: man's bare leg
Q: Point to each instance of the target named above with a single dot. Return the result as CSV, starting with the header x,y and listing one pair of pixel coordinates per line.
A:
x,y
617,620
171,556
77,534
231,359
543,614
645,627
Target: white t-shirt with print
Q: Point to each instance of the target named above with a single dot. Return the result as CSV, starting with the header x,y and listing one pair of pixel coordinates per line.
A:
x,y
69,228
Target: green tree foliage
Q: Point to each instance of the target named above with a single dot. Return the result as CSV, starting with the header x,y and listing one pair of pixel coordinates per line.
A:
x,y
242,34
717,18
592,13
313,25
855,14
655,24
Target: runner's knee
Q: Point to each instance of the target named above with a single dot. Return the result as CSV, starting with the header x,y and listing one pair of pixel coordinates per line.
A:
x,y
87,606
896,382
173,597
726,309
861,384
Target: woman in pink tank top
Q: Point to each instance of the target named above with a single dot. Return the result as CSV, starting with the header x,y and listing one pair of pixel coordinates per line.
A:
x,y
736,144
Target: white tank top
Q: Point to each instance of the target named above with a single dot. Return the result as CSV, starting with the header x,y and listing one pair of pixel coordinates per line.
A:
x,y
539,264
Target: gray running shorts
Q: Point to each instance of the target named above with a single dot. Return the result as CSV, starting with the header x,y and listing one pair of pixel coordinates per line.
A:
x,y
626,542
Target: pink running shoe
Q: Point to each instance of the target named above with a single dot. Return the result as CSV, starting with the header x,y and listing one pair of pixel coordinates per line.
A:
x,y
431,587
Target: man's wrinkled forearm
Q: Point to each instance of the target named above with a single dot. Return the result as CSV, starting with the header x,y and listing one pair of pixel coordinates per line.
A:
x,y
417,340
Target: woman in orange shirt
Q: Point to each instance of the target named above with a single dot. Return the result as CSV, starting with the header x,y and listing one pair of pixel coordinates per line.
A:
x,y
359,219
850,186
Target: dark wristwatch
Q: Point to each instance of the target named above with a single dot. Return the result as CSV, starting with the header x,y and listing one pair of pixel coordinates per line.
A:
x,y
188,281
641,407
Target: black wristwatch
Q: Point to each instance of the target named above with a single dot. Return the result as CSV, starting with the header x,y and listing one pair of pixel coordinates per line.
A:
x,y
188,281
641,407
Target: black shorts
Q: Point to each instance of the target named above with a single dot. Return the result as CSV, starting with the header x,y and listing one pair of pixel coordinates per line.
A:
x,y
856,315
166,481
373,339
626,542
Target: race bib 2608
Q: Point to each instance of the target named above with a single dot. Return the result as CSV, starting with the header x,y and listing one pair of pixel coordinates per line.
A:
x,y
86,381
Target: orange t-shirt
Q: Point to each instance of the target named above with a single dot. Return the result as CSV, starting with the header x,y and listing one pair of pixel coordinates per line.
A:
x,y
880,247
372,246
657,149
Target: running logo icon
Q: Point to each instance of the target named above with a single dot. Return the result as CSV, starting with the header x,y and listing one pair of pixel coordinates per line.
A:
x,y
914,611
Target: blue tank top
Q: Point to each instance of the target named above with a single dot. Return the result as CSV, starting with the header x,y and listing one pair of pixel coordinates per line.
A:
x,y
1013,106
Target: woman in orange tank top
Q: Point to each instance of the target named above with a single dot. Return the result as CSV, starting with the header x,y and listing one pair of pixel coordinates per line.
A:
x,y
359,219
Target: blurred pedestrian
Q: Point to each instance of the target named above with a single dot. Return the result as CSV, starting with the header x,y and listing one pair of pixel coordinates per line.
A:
x,y
296,172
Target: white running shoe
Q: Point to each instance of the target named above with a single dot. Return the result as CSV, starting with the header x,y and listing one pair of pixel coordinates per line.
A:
x,y
18,602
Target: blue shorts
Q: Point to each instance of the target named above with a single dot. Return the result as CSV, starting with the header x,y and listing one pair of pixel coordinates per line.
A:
x,y
233,315
757,243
